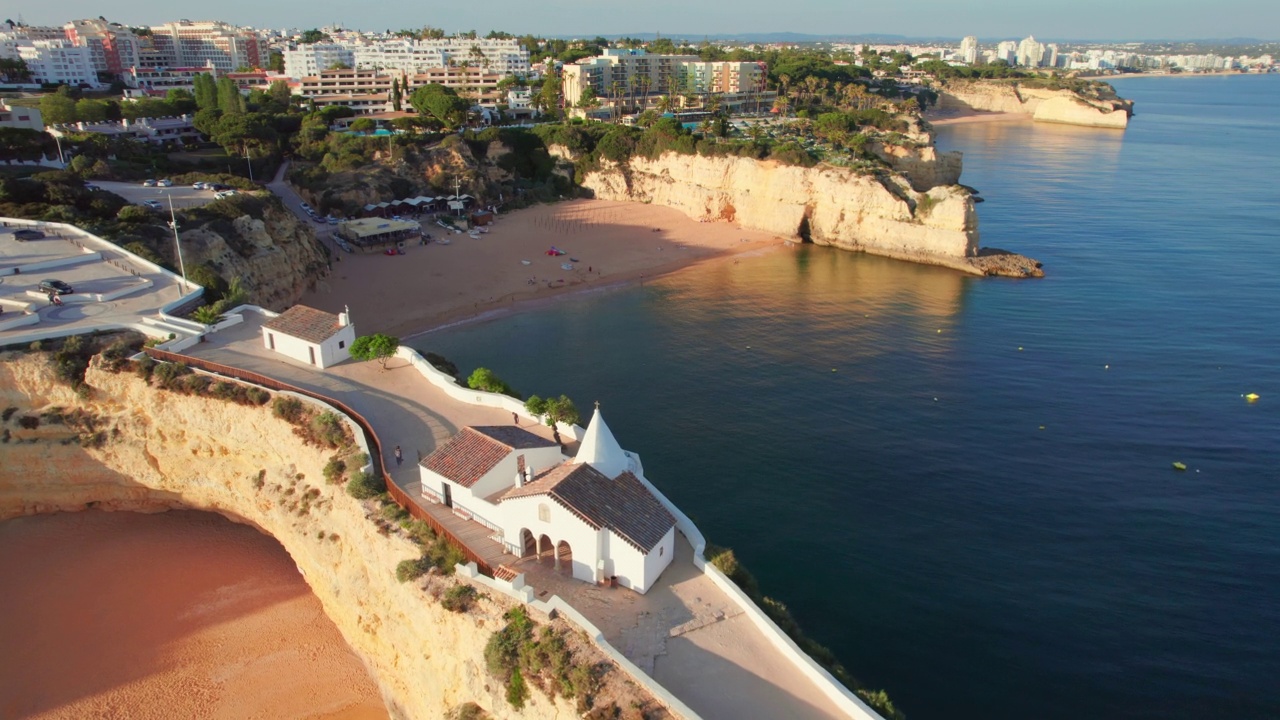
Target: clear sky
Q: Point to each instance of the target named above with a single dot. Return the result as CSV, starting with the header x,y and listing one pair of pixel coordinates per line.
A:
x,y
1081,19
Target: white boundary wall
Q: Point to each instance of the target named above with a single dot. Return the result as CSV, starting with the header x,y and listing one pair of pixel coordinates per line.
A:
x,y
476,397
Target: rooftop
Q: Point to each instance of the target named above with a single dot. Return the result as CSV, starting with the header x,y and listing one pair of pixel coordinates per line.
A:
x,y
623,504
472,453
305,323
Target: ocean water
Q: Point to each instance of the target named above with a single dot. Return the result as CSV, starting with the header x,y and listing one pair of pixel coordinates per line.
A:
x,y
964,486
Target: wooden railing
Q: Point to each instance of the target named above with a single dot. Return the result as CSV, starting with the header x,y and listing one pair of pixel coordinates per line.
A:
x,y
375,444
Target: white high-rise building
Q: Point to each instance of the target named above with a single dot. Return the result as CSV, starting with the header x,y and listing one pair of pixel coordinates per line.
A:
x,y
309,60
969,50
1030,52
1007,51
195,44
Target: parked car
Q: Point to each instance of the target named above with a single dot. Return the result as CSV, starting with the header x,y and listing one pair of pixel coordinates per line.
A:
x,y
148,183
217,186
319,218
199,185
91,187
225,194
306,207
57,287
164,183
152,204
332,220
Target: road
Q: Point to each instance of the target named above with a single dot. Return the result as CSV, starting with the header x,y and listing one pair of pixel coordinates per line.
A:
x,y
291,200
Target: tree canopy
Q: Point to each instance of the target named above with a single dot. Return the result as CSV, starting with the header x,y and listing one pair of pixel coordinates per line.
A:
x,y
441,103
375,347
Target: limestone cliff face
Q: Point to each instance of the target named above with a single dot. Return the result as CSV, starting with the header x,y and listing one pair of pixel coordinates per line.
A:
x,y
172,451
1044,105
277,255
827,205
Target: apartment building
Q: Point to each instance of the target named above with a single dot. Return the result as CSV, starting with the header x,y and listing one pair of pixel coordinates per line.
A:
x,y
635,72
408,57
158,81
113,46
59,62
365,89
195,44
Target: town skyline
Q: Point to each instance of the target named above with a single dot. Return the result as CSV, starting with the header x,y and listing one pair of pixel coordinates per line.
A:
x,y
1090,21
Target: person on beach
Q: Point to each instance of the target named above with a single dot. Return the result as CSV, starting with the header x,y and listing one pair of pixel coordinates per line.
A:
x,y
399,456
515,419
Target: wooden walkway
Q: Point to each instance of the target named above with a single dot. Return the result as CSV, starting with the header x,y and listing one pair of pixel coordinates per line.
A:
x,y
476,537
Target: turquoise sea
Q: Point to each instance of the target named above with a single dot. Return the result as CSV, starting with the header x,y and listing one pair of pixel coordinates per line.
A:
x,y
964,486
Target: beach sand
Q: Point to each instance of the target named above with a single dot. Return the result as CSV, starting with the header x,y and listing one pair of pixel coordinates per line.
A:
x,y
607,243
965,117
174,615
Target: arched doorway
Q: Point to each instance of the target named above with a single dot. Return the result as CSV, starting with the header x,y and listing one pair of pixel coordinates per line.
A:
x,y
546,548
528,546
564,558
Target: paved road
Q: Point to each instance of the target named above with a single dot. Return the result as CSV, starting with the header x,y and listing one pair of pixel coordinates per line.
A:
x,y
291,200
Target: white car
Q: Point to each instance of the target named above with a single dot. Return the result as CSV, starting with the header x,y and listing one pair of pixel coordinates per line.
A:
x,y
152,204
306,207
148,183
199,185
224,194
165,183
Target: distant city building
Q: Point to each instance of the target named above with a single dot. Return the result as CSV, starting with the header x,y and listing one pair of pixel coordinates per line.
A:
x,y
408,57
1007,51
369,91
59,62
158,81
195,44
154,130
969,50
635,72
114,47
1030,52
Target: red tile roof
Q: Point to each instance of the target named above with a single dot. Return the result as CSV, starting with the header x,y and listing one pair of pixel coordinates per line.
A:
x,y
623,504
306,323
472,453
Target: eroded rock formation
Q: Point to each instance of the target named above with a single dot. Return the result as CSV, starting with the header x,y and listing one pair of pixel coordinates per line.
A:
x,y
1044,105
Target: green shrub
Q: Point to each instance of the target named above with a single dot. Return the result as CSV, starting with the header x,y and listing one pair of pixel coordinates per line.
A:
x,y
409,570
328,429
459,598
287,408
366,486
29,422
8,413
72,360
144,367
517,693
167,374
257,396
442,364
194,384
484,379
335,470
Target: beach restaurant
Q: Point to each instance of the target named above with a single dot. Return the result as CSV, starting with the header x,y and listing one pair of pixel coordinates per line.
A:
x,y
376,232
417,205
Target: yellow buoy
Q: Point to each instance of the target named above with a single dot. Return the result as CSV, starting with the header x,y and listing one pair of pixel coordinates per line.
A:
x,y
1179,466
1251,397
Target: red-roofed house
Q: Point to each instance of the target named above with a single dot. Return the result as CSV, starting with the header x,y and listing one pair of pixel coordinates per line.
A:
x,y
593,514
311,336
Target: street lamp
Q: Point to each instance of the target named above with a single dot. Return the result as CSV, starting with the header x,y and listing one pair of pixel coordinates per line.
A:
x,y
173,223
250,162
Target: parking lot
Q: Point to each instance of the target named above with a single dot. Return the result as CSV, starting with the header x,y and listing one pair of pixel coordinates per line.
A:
x,y
184,196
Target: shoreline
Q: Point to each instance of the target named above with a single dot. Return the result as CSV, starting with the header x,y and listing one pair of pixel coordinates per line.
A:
x,y
965,117
606,245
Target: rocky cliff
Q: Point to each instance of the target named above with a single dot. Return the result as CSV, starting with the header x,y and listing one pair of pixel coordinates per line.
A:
x,y
276,255
826,205
1099,109
155,450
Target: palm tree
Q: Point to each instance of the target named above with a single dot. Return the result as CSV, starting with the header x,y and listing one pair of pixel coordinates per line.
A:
x,y
207,315
663,104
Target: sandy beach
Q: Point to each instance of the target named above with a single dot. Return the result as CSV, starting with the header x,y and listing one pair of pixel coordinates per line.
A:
x,y
605,243
175,615
965,117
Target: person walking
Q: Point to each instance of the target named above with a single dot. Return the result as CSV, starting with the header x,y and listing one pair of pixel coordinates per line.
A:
x,y
399,457
515,419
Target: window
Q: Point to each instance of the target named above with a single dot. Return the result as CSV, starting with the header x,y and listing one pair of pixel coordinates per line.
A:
x,y
342,344
544,512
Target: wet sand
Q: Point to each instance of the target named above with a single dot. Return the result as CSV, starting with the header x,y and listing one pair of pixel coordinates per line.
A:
x,y
174,615
607,243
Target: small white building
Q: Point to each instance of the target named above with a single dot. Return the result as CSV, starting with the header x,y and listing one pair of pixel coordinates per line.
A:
x,y
311,336
591,515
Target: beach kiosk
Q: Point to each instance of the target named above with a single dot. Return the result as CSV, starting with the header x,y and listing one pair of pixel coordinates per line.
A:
x,y
311,336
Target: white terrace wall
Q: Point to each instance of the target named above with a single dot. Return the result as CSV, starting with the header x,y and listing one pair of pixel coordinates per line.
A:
x,y
477,397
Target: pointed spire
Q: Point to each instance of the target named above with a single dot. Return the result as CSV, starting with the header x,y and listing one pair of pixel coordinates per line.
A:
x,y
600,449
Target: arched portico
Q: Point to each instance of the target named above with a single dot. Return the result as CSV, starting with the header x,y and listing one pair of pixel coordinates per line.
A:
x,y
546,548
564,558
528,545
